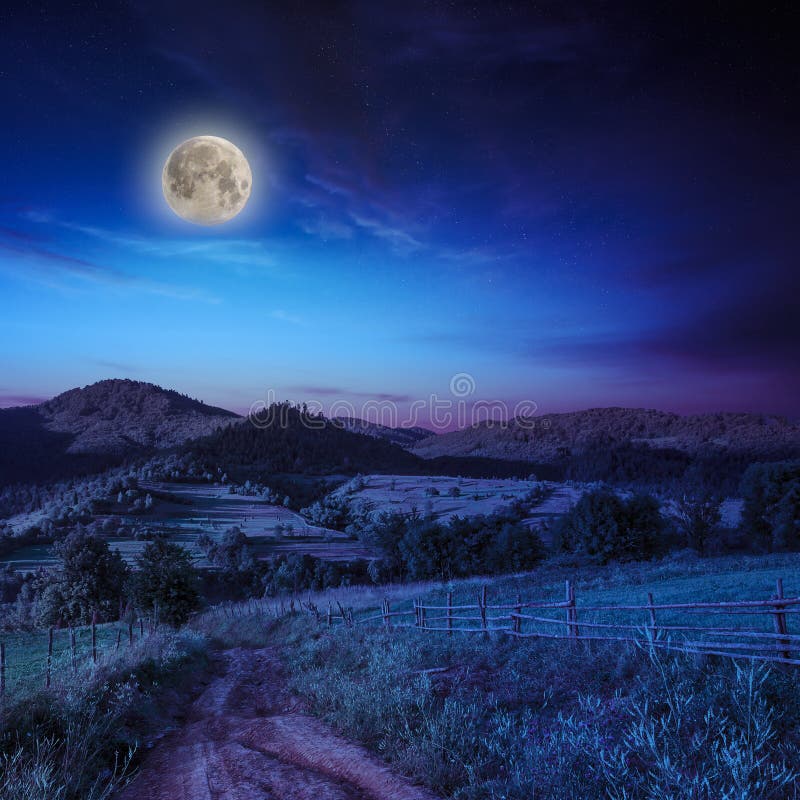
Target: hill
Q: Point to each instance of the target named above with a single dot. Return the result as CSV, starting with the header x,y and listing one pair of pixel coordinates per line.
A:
x,y
300,443
99,425
297,442
555,437
405,437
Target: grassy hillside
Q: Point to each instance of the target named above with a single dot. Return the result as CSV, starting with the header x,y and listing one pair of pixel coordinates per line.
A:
x,y
499,718
472,717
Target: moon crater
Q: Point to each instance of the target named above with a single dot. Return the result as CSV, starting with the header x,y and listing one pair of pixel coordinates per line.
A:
x,y
206,180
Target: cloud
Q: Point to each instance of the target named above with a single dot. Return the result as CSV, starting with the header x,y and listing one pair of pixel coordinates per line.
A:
x,y
13,400
326,228
117,366
311,392
246,253
399,240
284,316
50,266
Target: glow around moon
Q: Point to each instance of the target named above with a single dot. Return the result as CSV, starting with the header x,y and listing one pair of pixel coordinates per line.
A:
x,y
206,180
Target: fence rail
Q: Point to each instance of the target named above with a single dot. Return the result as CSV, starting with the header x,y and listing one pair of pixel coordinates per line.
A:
x,y
669,626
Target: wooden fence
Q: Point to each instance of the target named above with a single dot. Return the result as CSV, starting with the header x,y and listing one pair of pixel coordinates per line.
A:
x,y
59,655
683,627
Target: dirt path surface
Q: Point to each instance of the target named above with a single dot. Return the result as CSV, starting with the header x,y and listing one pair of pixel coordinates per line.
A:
x,y
245,738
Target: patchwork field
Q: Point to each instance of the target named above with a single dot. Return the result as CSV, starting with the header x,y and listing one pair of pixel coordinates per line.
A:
x,y
205,509
443,496
272,529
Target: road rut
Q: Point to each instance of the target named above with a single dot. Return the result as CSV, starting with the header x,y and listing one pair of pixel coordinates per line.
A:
x,y
246,738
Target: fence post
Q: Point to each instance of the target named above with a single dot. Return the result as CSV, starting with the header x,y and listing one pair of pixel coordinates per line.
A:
x,y
94,637
653,629
73,648
386,613
119,637
482,604
141,628
572,612
416,613
130,633
449,613
2,669
49,657
517,623
575,631
780,621
330,615
568,612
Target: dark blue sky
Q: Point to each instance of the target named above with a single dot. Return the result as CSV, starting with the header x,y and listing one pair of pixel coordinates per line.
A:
x,y
577,204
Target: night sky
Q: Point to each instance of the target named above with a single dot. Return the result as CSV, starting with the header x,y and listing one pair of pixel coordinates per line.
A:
x,y
577,204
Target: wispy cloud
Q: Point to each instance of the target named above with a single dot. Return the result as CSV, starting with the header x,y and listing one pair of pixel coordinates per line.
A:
x,y
400,241
13,400
51,268
326,228
284,316
311,392
117,366
252,253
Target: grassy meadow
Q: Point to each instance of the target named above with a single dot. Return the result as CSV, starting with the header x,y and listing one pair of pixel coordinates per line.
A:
x,y
500,719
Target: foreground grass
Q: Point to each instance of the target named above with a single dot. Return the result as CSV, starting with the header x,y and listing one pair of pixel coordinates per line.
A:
x,y
472,718
505,720
82,742
499,719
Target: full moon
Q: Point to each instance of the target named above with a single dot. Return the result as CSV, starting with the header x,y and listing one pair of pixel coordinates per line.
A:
x,y
206,180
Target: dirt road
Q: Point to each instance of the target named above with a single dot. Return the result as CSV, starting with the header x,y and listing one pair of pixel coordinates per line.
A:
x,y
246,739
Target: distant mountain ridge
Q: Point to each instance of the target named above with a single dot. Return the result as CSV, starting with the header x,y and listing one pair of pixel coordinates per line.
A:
x,y
118,415
552,437
97,426
405,437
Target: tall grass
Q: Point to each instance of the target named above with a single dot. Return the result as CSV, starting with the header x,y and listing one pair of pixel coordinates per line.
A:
x,y
512,720
81,742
